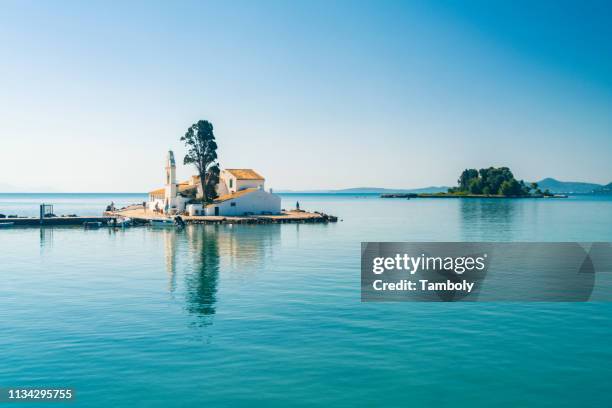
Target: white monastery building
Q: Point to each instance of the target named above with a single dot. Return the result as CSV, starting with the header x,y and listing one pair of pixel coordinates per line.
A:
x,y
240,192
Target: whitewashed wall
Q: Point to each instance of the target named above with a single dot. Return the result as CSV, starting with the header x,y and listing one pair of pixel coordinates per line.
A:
x,y
257,202
243,184
222,188
237,185
195,209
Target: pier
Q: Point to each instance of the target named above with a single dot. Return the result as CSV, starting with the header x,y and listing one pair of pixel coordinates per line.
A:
x,y
137,214
47,218
53,221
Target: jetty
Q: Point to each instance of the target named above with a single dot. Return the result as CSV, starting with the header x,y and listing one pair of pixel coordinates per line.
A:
x,y
48,218
139,215
53,221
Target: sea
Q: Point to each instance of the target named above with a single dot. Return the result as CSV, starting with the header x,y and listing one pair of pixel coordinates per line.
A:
x,y
271,316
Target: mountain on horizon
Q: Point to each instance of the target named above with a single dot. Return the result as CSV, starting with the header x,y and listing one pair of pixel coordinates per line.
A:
x,y
371,190
607,189
567,187
549,183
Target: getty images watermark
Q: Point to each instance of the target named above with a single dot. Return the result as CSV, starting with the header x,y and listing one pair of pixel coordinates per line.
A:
x,y
473,271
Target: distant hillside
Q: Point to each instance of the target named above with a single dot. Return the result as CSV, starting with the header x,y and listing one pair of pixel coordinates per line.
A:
x,y
371,190
567,187
607,189
551,184
366,190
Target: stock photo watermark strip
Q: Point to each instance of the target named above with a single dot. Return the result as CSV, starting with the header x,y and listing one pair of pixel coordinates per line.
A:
x,y
486,272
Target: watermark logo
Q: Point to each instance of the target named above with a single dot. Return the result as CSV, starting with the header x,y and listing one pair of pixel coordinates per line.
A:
x,y
468,271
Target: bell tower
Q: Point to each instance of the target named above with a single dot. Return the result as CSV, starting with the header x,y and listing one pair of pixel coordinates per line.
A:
x,y
170,194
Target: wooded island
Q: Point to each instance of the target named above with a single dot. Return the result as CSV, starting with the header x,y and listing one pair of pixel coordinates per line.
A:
x,y
491,182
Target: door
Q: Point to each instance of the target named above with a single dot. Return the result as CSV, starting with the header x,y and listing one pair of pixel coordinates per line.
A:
x,y
216,210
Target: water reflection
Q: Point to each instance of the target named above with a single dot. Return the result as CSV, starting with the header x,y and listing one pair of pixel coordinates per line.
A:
x,y
170,257
200,253
488,219
46,238
202,271
244,248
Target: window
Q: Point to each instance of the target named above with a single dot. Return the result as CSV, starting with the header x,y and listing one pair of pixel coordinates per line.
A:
x,y
233,204
231,183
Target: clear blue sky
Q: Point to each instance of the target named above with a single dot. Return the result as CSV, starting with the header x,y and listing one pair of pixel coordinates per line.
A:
x,y
326,94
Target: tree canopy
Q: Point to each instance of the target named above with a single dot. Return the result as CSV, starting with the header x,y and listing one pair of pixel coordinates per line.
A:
x,y
491,181
202,152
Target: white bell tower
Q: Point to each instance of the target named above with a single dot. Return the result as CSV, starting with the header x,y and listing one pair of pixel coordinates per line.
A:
x,y
171,193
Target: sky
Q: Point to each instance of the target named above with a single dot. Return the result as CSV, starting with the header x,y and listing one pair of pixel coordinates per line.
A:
x,y
313,95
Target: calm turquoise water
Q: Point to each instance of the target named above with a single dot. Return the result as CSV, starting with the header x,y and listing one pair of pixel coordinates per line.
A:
x,y
270,315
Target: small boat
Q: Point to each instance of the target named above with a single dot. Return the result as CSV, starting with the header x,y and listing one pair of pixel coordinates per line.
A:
x,y
92,224
6,224
162,223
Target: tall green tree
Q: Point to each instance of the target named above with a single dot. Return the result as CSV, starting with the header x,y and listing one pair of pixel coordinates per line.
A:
x,y
512,188
475,186
466,177
202,153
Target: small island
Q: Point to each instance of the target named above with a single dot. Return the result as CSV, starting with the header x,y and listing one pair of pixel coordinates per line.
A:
x,y
492,182
214,195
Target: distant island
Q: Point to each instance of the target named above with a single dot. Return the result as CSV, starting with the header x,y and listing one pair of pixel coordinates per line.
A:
x,y
368,190
545,187
491,182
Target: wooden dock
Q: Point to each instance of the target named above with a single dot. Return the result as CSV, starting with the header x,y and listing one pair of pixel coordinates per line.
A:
x,y
54,221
